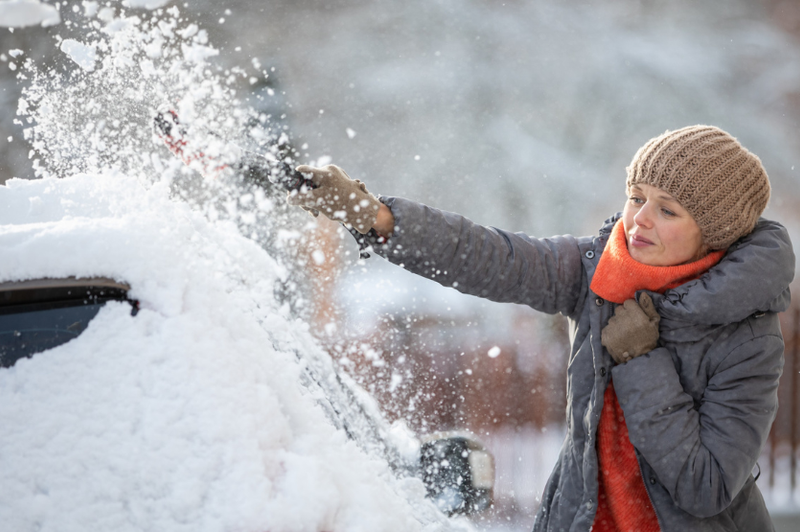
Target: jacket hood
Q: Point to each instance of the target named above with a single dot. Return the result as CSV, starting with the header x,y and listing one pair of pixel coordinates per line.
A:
x,y
753,276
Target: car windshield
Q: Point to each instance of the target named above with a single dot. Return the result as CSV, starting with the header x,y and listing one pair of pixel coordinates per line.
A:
x,y
26,332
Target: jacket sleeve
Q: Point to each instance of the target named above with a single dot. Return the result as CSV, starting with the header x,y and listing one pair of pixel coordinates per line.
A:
x,y
702,454
546,274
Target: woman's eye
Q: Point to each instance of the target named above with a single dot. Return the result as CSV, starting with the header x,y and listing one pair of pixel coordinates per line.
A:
x,y
668,212
634,199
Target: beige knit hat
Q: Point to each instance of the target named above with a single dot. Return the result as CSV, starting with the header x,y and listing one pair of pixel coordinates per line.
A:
x,y
722,185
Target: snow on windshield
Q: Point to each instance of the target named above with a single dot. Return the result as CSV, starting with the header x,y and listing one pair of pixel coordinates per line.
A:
x,y
198,413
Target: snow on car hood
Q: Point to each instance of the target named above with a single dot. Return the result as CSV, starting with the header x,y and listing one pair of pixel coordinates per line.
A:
x,y
188,416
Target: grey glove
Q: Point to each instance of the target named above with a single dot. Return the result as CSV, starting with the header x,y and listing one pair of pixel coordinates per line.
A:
x,y
338,197
632,331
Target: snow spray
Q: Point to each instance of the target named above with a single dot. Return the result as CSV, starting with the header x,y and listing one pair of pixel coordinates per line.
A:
x,y
92,112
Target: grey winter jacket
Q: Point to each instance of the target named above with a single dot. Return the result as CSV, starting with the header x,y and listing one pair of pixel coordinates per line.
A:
x,y
698,407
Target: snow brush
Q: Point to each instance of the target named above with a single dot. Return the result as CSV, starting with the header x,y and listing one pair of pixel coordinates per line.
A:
x,y
253,166
261,170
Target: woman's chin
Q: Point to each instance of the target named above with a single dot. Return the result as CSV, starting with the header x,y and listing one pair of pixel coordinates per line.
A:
x,y
645,255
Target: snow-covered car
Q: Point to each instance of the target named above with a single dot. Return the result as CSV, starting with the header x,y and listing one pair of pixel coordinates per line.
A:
x,y
151,380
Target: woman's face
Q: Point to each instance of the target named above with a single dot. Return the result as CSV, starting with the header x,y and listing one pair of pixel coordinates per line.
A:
x,y
658,230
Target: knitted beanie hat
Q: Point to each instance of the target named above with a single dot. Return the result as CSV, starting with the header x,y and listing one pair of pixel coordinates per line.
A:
x,y
722,185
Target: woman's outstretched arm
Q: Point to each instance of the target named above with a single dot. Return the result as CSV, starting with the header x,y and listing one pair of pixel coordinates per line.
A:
x,y
544,273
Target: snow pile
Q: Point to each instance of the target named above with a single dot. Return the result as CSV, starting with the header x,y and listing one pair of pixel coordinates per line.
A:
x,y
20,13
189,415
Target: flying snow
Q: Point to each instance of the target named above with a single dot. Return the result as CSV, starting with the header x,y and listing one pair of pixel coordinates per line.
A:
x,y
147,4
21,13
83,55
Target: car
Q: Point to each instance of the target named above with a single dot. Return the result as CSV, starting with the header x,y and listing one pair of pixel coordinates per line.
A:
x,y
150,376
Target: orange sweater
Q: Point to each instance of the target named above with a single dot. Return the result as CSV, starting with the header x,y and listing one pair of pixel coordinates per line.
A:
x,y
623,503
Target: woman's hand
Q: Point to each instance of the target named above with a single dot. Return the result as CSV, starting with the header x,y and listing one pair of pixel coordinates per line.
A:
x,y
339,198
632,331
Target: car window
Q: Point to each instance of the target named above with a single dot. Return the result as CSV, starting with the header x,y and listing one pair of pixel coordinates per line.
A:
x,y
38,315
24,334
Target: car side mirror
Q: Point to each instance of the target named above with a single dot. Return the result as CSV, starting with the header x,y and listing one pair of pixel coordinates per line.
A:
x,y
458,473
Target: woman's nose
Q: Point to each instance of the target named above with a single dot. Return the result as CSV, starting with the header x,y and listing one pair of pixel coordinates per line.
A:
x,y
644,217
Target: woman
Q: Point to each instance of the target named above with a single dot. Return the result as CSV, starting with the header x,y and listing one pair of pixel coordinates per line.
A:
x,y
676,348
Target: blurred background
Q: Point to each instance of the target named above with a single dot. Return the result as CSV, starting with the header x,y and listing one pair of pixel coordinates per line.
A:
x,y
516,114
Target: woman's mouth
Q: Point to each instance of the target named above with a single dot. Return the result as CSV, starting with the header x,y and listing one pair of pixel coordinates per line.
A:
x,y
640,241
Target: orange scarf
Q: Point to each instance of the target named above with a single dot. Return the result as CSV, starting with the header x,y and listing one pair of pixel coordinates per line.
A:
x,y
623,502
618,276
